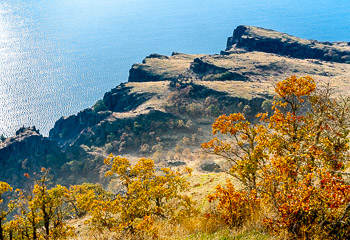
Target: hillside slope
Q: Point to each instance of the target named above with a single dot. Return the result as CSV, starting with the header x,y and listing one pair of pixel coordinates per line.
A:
x,y
166,108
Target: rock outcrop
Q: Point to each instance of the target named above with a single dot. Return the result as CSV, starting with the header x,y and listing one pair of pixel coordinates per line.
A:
x,y
27,152
174,67
70,130
67,128
210,167
121,99
264,40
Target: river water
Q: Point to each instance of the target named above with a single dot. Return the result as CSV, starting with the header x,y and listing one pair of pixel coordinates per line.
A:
x,y
58,57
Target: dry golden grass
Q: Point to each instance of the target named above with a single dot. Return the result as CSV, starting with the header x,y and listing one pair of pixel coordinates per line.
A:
x,y
190,228
262,71
198,227
204,184
168,67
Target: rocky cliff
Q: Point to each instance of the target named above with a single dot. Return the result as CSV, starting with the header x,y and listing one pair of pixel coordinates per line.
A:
x,y
166,108
27,152
264,40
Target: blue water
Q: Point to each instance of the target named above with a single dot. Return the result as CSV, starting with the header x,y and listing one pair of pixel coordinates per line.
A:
x,y
60,56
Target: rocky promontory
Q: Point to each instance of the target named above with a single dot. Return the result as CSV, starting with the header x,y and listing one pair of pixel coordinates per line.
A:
x,y
27,152
264,40
166,108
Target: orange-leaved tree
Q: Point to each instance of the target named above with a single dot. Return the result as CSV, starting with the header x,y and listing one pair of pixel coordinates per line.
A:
x,y
144,195
295,159
233,207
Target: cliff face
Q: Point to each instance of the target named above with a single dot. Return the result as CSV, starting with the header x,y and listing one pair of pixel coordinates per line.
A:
x,y
169,99
27,152
67,128
264,40
70,130
173,68
121,99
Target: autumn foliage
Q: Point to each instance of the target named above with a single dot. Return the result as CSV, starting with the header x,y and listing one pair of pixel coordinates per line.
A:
x,y
234,207
147,194
40,212
5,209
291,165
293,159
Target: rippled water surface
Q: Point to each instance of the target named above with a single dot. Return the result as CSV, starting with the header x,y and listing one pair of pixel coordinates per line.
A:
x,y
59,56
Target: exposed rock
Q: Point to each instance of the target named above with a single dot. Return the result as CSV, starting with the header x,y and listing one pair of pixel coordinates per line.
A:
x,y
265,40
67,128
125,132
175,67
201,66
210,167
176,163
156,55
120,99
27,152
139,74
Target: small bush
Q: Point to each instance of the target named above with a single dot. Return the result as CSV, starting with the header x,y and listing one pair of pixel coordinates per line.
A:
x,y
233,207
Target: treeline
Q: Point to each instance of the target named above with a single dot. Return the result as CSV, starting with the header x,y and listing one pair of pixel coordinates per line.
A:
x,y
44,212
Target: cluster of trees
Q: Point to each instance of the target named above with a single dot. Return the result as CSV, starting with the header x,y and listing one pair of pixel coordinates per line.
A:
x,y
142,194
40,212
186,101
292,163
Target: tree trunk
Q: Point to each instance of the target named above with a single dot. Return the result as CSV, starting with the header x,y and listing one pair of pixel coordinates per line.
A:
x,y
1,230
47,226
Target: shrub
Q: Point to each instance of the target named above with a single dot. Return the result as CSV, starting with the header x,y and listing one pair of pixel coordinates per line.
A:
x,y
144,195
41,212
294,159
5,209
233,207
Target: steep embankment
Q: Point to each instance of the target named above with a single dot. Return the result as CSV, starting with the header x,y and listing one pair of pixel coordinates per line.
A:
x,y
166,108
27,152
